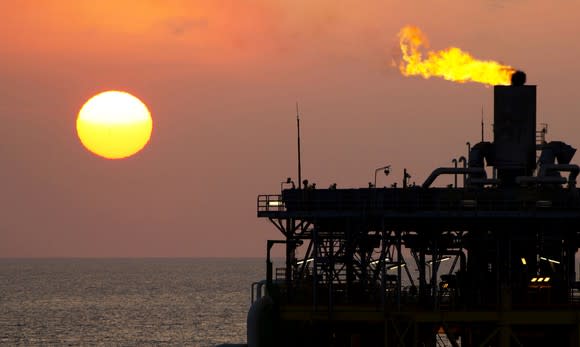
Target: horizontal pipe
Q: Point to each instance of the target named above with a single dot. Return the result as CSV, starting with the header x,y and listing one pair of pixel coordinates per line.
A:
x,y
540,180
573,169
453,171
484,181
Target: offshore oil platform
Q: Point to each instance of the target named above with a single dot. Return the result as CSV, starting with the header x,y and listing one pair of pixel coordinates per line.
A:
x,y
487,261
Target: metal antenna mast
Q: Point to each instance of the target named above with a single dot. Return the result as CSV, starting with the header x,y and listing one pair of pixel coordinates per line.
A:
x,y
299,161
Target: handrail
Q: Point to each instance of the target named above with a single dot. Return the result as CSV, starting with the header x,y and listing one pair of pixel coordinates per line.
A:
x,y
270,202
414,199
257,294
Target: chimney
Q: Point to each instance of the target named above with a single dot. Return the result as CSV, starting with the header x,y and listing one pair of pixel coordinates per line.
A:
x,y
514,129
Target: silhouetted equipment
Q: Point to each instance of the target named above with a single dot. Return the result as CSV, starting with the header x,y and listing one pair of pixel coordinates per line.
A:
x,y
386,170
518,78
364,267
514,131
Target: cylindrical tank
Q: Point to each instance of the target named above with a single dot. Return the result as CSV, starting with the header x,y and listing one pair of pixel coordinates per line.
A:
x,y
514,131
261,323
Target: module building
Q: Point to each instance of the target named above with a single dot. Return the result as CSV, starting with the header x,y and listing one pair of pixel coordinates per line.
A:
x,y
487,261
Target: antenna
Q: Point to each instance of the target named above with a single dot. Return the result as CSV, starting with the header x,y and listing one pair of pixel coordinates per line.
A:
x,y
299,161
481,123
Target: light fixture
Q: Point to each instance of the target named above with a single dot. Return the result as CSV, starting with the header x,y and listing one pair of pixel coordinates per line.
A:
x,y
550,260
386,169
396,266
540,279
307,261
374,262
438,261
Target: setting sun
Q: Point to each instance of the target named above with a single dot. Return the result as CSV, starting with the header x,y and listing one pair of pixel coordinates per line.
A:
x,y
114,125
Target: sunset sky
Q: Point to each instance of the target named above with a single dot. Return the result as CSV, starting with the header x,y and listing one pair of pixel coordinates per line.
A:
x,y
221,79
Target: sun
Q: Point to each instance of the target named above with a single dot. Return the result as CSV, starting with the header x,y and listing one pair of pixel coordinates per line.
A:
x,y
114,125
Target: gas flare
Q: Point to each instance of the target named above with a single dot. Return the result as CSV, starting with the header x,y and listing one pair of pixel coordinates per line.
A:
x,y
452,63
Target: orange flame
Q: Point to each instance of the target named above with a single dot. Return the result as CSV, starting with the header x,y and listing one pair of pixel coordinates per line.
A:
x,y
452,63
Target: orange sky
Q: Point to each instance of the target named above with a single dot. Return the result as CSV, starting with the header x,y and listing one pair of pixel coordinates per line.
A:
x,y
221,79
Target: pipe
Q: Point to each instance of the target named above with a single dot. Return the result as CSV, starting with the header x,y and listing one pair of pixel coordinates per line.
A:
x,y
573,169
454,161
451,171
540,180
469,148
464,161
484,181
481,153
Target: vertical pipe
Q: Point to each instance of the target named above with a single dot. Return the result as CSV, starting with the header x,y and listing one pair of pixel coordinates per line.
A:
x,y
469,149
252,294
464,161
269,245
454,161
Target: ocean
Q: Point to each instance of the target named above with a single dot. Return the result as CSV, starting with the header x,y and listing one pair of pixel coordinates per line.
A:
x,y
125,302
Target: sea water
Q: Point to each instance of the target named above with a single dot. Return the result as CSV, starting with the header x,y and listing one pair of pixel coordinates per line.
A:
x,y
125,302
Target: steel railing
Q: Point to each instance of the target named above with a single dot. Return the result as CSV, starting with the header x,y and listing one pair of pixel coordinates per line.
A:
x,y
270,202
416,202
